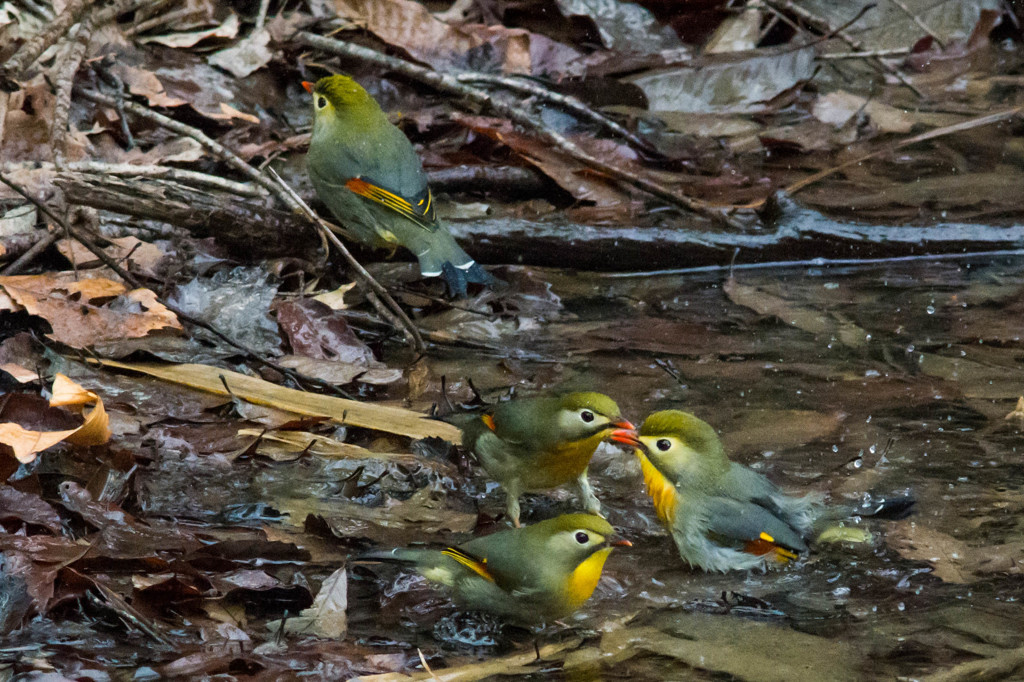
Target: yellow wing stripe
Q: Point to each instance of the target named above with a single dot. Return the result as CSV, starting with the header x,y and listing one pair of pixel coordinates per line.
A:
x,y
478,566
388,199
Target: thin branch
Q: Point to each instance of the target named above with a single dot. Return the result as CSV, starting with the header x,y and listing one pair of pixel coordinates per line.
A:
x,y
34,252
825,27
971,124
169,123
567,102
27,54
121,7
917,20
156,171
894,52
261,17
161,20
64,80
450,84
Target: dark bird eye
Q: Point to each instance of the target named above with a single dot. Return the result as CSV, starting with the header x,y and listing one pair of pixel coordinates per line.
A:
x,y
587,416
664,444
582,538
321,102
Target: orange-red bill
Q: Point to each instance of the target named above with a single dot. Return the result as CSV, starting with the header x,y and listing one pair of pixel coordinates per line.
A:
x,y
309,86
626,437
620,542
624,424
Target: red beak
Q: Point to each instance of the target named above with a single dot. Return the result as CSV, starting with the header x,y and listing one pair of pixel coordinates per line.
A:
x,y
620,542
626,437
624,424
309,86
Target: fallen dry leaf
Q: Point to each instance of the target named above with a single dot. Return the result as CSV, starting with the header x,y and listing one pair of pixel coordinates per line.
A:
x,y
95,430
326,617
953,560
227,29
245,57
142,257
88,311
385,418
1018,410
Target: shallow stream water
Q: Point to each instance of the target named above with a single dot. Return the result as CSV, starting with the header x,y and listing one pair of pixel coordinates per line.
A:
x,y
856,381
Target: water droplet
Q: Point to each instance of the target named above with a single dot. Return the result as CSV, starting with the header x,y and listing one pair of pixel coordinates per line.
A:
x,y
930,310
901,606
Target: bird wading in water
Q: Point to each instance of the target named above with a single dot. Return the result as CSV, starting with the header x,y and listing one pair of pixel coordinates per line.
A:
x,y
531,444
722,515
368,174
528,575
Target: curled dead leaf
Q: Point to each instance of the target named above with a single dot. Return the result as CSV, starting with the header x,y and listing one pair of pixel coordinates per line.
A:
x,y
95,430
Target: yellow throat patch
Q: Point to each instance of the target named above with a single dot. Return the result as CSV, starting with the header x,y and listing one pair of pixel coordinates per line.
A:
x,y
663,493
568,460
583,580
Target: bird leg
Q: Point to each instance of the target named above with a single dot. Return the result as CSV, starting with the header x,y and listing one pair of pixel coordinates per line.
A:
x,y
587,496
512,504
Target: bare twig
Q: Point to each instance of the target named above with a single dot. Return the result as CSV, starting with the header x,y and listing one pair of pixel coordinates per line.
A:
x,y
149,11
387,307
169,123
567,102
917,20
121,7
823,26
895,52
923,137
161,20
64,82
156,171
261,17
31,254
448,83
28,53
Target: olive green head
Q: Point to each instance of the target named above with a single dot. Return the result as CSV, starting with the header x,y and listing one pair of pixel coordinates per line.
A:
x,y
566,541
684,448
340,99
584,414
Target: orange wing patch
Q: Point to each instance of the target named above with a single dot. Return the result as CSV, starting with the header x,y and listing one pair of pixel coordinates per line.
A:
x,y
766,545
478,566
488,421
421,214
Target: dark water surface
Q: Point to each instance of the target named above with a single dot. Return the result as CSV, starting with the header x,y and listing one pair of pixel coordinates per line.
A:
x,y
856,381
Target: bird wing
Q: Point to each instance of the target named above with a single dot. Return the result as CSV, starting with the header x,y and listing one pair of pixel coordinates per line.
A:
x,y
474,563
418,208
755,526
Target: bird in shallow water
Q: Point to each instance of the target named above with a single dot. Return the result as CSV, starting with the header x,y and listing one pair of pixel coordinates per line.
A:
x,y
367,172
531,444
722,515
537,573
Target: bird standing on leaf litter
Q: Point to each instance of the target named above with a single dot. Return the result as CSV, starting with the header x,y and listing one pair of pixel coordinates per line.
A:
x,y
368,174
722,515
529,575
532,444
